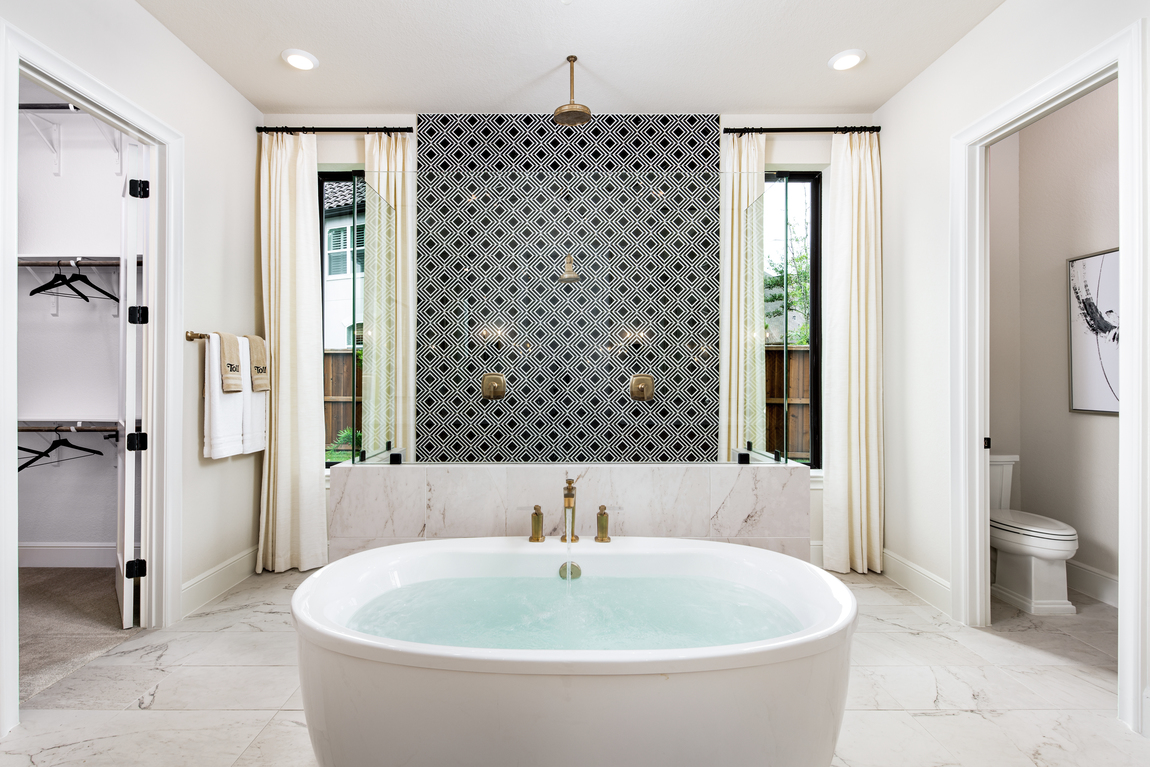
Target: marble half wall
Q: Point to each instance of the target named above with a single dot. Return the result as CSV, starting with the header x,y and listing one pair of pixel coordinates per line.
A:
x,y
766,505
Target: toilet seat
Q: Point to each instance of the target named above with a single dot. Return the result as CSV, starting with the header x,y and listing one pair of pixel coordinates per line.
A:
x,y
1019,532
1031,525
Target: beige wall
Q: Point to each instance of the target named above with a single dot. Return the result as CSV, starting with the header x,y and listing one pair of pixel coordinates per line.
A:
x,y
119,43
1068,206
1005,307
1012,50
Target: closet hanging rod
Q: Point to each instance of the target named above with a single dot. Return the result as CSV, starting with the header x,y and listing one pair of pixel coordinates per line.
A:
x,y
195,336
54,107
858,129
68,262
307,129
68,429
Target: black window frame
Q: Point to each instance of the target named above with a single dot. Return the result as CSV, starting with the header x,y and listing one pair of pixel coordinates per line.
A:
x,y
815,179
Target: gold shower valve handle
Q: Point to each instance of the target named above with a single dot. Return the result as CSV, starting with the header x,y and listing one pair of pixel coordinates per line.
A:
x,y
494,386
642,387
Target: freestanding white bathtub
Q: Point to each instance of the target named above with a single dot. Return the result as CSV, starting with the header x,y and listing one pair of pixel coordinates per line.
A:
x,y
372,701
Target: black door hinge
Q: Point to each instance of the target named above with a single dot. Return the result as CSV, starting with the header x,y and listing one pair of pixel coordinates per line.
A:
x,y
137,315
137,440
135,568
986,443
138,187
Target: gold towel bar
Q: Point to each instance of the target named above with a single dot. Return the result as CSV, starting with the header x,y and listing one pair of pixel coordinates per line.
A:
x,y
194,336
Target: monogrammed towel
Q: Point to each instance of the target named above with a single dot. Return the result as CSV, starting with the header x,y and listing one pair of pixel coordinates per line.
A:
x,y
258,350
223,411
255,405
230,363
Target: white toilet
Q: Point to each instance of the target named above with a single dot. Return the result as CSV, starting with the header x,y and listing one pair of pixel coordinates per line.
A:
x,y
1032,550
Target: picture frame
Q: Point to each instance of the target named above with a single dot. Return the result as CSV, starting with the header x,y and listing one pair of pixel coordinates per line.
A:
x,y
1093,332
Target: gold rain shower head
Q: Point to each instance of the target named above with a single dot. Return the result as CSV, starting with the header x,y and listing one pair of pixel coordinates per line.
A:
x,y
572,114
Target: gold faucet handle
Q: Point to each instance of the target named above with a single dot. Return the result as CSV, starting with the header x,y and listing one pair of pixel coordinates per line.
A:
x,y
601,526
536,526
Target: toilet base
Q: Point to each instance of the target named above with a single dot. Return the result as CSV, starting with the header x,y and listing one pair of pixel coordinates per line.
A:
x,y
1033,585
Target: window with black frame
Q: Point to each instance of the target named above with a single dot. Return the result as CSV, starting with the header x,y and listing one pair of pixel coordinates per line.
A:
x,y
792,212
341,214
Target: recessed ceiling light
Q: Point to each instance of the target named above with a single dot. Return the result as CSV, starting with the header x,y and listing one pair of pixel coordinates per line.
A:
x,y
300,59
846,59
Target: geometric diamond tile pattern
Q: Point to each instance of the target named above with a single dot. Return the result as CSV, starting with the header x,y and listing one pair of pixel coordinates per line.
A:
x,y
501,199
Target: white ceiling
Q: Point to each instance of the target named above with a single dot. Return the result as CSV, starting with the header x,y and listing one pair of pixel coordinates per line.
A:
x,y
635,56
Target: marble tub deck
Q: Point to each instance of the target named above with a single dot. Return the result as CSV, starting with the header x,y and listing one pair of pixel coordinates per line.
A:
x,y
221,688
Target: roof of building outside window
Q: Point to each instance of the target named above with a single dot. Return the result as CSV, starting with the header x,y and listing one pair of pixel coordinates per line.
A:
x,y
337,194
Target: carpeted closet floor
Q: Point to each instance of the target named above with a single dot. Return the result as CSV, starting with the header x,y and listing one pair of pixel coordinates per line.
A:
x,y
68,616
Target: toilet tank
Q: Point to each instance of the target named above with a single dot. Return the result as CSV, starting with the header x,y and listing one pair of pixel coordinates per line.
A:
x,y
1001,474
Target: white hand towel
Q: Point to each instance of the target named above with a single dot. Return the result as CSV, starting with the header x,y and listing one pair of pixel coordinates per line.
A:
x,y
255,404
223,412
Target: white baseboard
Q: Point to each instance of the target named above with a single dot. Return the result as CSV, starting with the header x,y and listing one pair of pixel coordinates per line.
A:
x,y
68,554
207,586
1092,582
922,583
817,553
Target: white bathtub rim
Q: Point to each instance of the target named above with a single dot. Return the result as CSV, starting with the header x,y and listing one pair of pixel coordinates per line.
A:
x,y
324,632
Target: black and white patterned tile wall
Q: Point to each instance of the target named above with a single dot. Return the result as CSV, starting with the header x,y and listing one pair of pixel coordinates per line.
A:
x,y
501,199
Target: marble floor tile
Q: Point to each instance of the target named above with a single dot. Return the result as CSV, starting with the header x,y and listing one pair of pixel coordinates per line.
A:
x,y
284,742
866,692
912,649
156,649
891,618
44,736
889,739
1106,641
222,688
295,702
1030,648
1075,738
98,687
1070,687
239,617
873,595
863,579
244,649
974,738
263,588
966,688
169,738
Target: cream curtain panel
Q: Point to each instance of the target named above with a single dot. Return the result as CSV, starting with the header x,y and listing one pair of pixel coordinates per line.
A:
x,y
293,509
742,332
389,294
852,359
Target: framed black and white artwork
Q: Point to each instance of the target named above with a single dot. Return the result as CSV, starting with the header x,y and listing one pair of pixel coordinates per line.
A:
x,y
1093,294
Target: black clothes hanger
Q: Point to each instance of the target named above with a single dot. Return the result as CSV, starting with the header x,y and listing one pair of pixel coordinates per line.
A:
x,y
83,278
57,443
58,280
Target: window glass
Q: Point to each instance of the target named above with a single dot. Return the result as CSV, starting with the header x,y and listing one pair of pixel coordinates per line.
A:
x,y
792,209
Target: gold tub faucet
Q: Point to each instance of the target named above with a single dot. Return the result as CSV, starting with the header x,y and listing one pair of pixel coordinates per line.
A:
x,y
601,526
569,503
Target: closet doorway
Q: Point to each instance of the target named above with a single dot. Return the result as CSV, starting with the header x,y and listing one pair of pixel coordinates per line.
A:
x,y
83,241
145,406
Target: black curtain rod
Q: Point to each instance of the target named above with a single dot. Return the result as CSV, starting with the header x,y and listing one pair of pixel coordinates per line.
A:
x,y
305,129
859,129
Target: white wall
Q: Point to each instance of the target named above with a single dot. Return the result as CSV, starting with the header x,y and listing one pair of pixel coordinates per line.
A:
x,y
119,43
1018,45
1068,206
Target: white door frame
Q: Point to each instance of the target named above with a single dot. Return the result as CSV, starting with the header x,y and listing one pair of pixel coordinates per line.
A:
x,y
160,534
1121,57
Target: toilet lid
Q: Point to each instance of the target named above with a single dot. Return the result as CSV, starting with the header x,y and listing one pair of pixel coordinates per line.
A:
x,y
1034,525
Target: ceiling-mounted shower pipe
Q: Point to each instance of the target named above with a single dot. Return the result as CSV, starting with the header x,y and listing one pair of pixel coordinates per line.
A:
x,y
572,113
